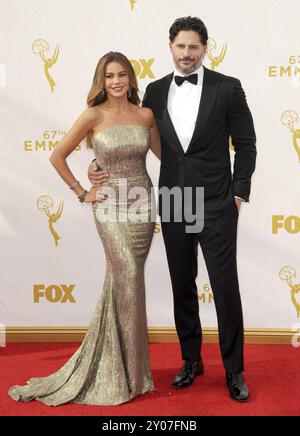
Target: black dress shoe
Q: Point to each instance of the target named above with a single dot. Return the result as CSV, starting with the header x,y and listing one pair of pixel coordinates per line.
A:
x,y
238,390
187,374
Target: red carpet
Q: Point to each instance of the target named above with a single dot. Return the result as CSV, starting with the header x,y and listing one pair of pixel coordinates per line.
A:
x,y
272,373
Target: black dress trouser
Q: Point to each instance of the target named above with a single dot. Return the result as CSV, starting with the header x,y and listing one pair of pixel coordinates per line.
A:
x,y
218,244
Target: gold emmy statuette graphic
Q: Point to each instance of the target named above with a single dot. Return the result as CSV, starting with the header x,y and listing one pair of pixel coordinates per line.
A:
x,y
289,118
132,3
39,48
211,48
231,146
44,202
287,274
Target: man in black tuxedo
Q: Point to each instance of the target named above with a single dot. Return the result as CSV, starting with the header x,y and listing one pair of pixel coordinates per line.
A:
x,y
196,110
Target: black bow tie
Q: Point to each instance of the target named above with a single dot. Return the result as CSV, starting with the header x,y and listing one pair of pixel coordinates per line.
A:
x,y
193,78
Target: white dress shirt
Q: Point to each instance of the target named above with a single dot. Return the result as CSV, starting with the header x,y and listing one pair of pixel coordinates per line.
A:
x,y
183,106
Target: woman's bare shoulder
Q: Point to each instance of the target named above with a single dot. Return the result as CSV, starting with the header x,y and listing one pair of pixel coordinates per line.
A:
x,y
93,115
146,114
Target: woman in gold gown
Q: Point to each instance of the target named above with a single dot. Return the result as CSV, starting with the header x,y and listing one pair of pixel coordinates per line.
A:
x,y
112,364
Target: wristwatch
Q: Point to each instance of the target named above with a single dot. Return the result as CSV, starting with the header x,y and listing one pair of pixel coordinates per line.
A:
x,y
82,195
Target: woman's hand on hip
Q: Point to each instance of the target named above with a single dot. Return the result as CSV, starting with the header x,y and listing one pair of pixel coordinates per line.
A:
x,y
96,177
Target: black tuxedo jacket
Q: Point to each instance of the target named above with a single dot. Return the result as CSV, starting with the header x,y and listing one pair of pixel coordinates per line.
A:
x,y
223,111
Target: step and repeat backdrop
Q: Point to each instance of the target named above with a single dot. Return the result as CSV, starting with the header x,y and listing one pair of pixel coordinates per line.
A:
x,y
52,261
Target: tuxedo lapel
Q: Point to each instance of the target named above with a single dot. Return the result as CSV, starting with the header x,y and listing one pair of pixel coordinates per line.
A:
x,y
208,98
166,125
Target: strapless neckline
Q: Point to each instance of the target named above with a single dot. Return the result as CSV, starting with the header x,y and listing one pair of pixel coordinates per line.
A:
x,y
118,126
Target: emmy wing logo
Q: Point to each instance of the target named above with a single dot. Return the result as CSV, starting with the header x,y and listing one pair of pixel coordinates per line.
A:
x,y
288,274
288,119
44,203
132,4
211,53
40,47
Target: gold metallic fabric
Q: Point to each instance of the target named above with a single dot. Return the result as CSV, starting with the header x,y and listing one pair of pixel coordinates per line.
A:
x,y
112,364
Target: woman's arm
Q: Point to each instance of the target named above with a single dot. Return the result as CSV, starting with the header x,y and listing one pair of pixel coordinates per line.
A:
x,y
83,125
155,137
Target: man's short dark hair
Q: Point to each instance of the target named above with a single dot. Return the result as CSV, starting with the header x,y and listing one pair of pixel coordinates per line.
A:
x,y
189,23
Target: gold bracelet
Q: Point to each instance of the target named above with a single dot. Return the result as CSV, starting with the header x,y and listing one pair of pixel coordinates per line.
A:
x,y
74,185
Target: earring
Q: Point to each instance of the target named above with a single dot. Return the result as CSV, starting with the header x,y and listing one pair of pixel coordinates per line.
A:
x,y
102,93
129,92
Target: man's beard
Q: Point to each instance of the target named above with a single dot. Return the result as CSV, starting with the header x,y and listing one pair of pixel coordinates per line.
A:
x,y
187,70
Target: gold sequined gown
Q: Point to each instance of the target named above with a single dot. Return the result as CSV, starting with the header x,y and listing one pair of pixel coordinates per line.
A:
x,y
112,364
